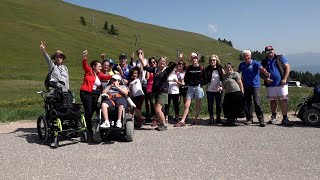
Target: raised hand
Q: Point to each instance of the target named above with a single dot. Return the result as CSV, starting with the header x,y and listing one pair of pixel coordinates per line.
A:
x,y
43,45
180,55
141,57
84,53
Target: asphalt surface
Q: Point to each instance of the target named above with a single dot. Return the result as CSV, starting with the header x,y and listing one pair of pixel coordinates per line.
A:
x,y
192,152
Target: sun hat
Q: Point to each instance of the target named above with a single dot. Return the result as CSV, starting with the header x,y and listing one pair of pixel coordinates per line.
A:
x,y
116,77
58,53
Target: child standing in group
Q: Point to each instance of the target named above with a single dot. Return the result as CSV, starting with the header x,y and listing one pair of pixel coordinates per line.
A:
x,y
136,92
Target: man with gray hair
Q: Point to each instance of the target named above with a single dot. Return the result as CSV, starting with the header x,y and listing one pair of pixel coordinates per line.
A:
x,y
251,70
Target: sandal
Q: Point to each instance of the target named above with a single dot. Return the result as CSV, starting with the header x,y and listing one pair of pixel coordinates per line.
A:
x,y
180,124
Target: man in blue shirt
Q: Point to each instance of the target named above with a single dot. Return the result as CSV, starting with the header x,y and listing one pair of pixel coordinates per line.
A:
x,y
276,84
251,70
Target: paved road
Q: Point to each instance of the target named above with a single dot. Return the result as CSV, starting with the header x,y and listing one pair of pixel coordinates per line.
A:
x,y
200,152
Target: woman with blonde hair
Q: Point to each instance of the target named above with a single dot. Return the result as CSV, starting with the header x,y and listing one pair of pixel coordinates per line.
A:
x,y
214,87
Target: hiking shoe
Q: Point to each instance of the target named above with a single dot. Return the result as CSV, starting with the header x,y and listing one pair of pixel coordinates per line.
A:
x,y
262,123
218,120
195,123
112,123
180,124
272,120
104,125
119,124
286,122
211,120
162,127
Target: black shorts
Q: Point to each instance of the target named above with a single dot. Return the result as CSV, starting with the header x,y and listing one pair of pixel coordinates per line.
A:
x,y
117,102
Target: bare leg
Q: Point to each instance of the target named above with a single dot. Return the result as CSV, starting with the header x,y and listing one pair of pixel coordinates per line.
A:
x,y
284,106
186,110
274,105
120,109
104,108
159,113
198,104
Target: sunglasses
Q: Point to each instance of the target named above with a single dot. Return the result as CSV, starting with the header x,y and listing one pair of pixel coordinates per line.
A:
x,y
59,57
180,63
211,60
140,52
269,51
152,62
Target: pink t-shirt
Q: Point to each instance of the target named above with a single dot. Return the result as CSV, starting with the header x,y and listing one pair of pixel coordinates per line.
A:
x,y
150,82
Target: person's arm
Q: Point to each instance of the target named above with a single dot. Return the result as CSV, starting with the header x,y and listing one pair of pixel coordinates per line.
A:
x,y
46,56
105,90
169,69
286,74
123,90
103,77
85,64
204,77
239,81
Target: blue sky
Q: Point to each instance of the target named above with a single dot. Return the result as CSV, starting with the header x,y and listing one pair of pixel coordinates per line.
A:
x,y
289,26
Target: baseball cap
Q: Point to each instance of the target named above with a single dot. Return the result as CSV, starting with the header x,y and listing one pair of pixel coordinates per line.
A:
x,y
268,48
122,56
111,61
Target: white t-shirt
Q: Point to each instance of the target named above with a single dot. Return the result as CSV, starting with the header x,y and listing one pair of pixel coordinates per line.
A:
x,y
173,86
97,83
182,74
137,63
215,82
135,88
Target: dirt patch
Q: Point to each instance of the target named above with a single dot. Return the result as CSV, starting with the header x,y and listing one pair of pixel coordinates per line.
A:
x,y
14,126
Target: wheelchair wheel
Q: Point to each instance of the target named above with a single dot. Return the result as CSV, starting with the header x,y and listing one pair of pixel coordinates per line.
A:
x,y
55,141
129,131
311,117
43,129
84,137
96,133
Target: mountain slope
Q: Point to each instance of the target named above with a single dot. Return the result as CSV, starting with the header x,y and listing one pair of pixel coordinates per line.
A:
x,y
25,23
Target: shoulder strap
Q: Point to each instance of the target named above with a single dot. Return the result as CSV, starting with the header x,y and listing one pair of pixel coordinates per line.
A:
x,y
280,65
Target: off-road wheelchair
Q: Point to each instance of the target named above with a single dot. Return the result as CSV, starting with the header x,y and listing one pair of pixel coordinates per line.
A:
x,y
62,118
127,120
309,109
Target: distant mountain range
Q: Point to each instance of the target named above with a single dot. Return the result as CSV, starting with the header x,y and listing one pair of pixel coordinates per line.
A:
x,y
305,62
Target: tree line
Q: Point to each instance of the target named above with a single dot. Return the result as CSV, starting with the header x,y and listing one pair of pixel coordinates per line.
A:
x,y
112,30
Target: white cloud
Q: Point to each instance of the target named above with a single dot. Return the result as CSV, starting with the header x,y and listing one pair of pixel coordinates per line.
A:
x,y
212,29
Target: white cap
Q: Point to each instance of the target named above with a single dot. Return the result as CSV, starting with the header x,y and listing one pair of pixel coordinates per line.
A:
x,y
116,77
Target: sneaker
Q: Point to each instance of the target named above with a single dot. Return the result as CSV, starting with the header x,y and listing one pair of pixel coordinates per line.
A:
x,y
262,123
162,127
105,124
119,124
218,120
286,122
272,120
180,124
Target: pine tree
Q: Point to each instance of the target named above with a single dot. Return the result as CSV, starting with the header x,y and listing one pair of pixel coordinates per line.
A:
x,y
83,21
113,30
105,27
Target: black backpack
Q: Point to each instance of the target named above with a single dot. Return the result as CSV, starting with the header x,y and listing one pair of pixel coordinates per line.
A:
x,y
47,80
280,65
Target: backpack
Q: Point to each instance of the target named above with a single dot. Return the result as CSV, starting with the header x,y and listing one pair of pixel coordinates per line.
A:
x,y
47,79
279,63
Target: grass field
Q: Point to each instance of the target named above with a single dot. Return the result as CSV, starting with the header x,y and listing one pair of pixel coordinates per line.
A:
x,y
26,23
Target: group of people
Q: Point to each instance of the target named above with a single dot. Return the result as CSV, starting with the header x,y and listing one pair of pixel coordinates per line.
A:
x,y
154,83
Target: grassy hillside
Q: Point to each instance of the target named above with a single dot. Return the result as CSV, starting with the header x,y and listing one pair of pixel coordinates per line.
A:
x,y
24,23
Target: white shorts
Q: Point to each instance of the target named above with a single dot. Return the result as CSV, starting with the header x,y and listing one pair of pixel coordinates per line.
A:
x,y
277,92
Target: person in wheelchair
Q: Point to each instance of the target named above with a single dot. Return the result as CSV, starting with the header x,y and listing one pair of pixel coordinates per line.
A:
x,y
58,76
115,97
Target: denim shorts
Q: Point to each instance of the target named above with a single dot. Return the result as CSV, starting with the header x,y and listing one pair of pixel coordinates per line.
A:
x,y
195,92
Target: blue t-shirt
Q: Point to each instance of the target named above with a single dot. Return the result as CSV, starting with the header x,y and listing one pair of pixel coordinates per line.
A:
x,y
125,71
250,73
275,75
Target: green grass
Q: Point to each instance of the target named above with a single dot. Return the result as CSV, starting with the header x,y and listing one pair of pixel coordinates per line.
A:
x,y
26,23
